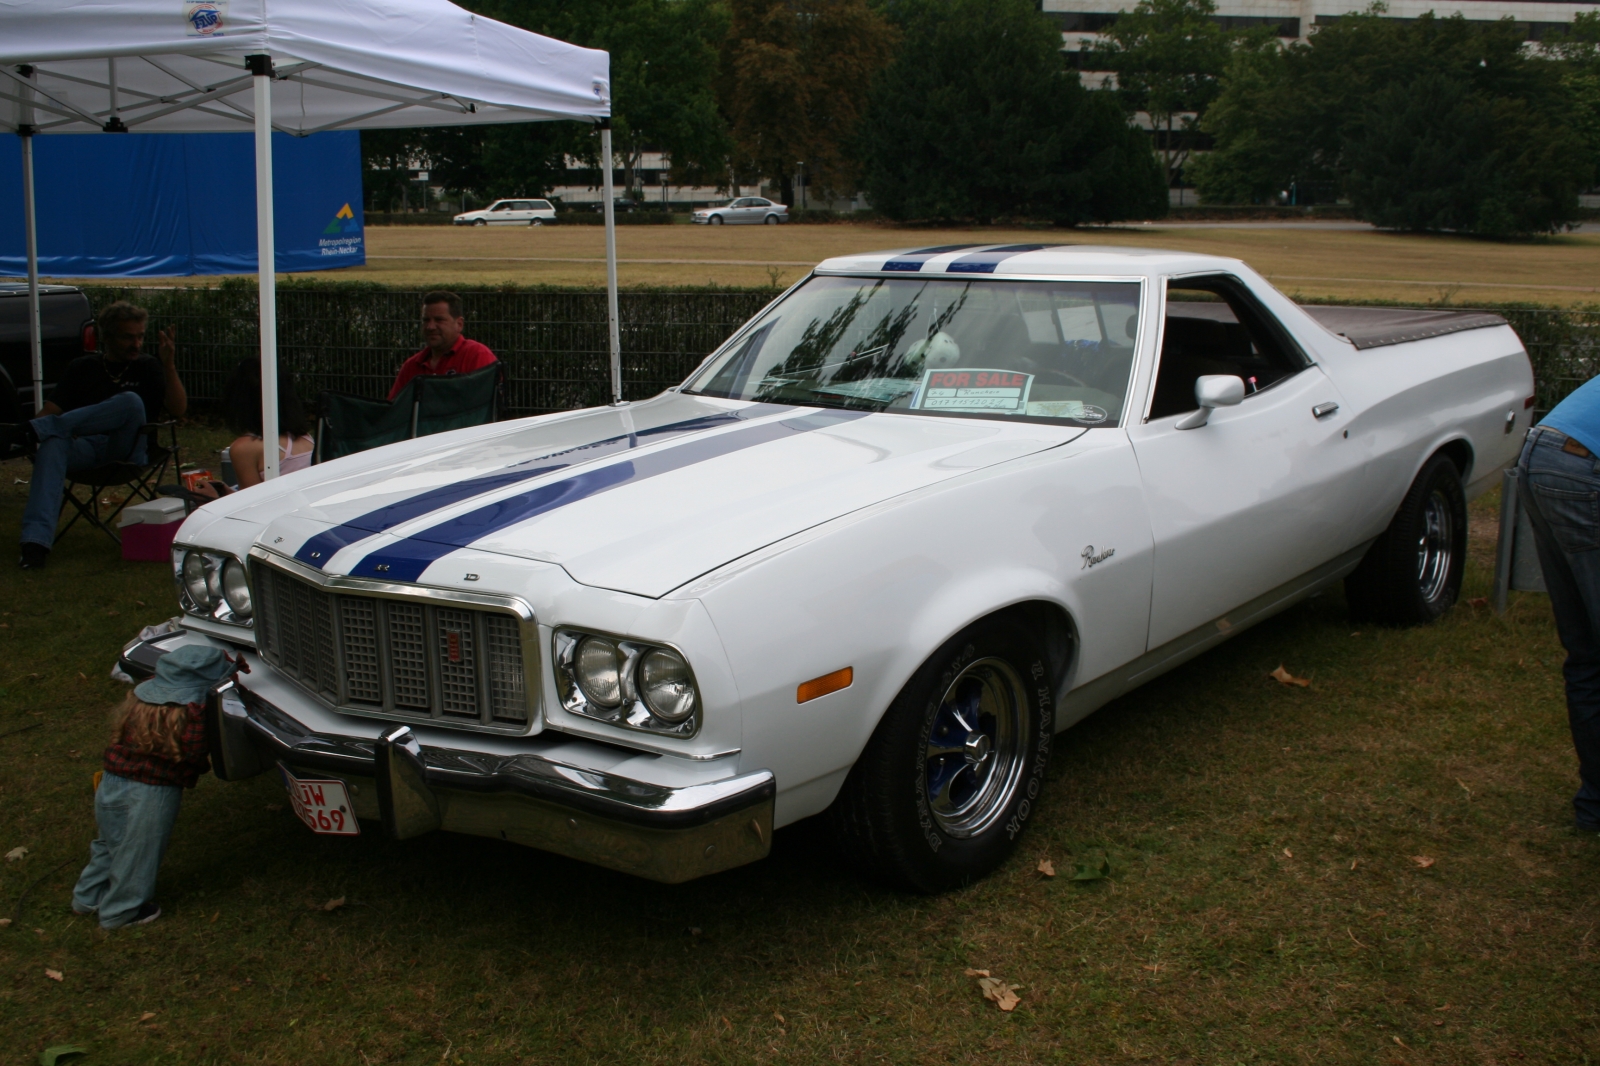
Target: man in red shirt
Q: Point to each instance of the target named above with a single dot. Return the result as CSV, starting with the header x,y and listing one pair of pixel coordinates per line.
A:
x,y
447,353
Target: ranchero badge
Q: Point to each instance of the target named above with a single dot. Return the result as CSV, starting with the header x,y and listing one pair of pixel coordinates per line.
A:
x,y
1092,557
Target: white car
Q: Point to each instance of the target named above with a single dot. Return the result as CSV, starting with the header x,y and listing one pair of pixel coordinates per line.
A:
x,y
753,210
509,213
926,510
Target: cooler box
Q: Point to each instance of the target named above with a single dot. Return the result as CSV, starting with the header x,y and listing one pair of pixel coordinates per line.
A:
x,y
147,529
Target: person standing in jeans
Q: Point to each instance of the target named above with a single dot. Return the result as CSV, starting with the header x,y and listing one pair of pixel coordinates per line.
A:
x,y
1559,475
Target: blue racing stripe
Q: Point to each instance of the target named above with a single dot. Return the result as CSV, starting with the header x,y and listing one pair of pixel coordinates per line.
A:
x,y
407,559
317,550
912,261
985,261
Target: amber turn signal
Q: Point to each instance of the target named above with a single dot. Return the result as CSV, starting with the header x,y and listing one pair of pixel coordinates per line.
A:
x,y
821,686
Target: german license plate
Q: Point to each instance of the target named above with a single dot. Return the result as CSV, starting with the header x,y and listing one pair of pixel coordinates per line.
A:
x,y
324,805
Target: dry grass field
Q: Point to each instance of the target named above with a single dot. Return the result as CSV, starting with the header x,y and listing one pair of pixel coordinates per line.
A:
x,y
1320,260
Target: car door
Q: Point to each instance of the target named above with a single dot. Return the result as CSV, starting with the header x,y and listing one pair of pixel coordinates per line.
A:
x,y
745,210
1260,494
500,213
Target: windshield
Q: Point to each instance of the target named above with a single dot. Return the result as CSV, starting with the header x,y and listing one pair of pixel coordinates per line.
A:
x,y
1056,351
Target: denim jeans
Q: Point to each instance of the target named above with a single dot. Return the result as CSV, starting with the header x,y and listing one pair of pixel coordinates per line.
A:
x,y
106,432
135,822
1561,492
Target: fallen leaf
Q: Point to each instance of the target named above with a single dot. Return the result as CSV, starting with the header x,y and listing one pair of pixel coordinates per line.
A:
x,y
1478,601
215,916
331,905
999,993
16,853
1093,870
1046,867
54,975
778,1016
1353,863
147,1015
50,1056
1423,861
1288,853
4,922
1153,967
1284,677
139,603
1445,1007
83,675
977,973
694,930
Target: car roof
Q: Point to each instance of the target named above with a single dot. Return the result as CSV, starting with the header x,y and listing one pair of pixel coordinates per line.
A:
x,y
958,260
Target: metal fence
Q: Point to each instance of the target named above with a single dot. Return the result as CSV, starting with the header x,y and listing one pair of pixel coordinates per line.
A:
x,y
352,337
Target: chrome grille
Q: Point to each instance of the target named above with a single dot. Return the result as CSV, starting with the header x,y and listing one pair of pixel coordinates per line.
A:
x,y
457,665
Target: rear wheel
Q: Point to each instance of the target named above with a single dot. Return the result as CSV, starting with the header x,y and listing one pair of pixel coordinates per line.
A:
x,y
1412,573
946,784
537,222
772,220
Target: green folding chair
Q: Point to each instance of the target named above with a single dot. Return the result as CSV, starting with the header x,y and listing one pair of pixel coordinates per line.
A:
x,y
349,424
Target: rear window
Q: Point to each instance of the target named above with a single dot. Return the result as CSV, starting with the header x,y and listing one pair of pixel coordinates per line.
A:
x,y
1055,351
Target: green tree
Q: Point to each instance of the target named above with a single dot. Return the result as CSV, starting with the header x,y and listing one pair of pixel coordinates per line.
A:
x,y
663,79
1335,110
1578,51
979,117
1168,56
795,78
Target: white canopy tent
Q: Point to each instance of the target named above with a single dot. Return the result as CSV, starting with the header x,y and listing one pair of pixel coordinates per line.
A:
x,y
300,67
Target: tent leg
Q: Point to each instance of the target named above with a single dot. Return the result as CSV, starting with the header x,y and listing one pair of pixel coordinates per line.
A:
x,y
25,131
611,263
266,263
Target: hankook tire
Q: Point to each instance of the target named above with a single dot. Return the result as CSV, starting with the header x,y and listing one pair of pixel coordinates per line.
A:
x,y
1412,573
954,769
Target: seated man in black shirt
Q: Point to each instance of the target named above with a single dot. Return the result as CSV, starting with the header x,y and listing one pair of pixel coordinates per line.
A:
x,y
100,406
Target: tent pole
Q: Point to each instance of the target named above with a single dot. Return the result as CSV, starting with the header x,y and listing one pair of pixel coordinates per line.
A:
x,y
611,264
260,67
25,130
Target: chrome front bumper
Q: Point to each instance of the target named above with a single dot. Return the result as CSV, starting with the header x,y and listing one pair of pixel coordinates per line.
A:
x,y
669,834
665,834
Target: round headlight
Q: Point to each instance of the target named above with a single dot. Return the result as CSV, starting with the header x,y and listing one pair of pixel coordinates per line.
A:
x,y
194,580
235,589
598,667
666,686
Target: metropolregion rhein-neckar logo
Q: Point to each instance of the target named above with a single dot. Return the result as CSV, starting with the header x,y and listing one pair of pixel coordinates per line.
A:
x,y
342,235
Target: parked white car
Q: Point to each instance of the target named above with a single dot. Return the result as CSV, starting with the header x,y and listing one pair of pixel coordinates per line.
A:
x,y
752,210
925,511
509,213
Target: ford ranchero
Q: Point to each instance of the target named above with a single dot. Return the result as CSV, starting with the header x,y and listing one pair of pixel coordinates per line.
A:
x,y
922,513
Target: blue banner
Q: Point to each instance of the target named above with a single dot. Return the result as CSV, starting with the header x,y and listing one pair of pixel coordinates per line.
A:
x,y
118,205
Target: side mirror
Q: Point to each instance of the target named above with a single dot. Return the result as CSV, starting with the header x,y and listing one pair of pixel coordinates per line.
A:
x,y
1210,391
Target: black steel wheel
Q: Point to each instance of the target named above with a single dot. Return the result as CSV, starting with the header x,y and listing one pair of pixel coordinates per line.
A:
x,y
951,775
1412,573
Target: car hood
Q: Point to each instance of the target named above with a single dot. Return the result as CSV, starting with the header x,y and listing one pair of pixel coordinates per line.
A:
x,y
639,499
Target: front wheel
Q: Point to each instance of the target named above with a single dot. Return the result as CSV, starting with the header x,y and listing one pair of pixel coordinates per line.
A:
x,y
479,222
716,220
1412,573
952,773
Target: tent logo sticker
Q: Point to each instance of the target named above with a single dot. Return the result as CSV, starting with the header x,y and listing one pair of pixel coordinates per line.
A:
x,y
333,242
204,17
343,222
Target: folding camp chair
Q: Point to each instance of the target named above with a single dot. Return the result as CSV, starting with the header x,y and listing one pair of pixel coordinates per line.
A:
x,y
349,424
140,481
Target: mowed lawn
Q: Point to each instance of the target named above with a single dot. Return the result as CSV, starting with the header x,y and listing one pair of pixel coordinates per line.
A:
x,y
1307,260
1378,868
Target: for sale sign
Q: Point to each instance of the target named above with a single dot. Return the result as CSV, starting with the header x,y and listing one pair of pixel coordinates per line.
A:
x,y
974,389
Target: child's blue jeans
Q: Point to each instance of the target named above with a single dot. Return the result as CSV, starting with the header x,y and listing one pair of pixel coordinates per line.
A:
x,y
135,822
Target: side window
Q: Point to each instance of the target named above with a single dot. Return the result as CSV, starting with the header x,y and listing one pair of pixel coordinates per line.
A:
x,y
1215,326
541,205
501,206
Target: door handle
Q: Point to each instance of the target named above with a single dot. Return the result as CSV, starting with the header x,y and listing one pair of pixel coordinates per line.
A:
x,y
1323,410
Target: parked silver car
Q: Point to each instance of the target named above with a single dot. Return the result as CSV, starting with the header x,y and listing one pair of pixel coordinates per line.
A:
x,y
752,209
509,213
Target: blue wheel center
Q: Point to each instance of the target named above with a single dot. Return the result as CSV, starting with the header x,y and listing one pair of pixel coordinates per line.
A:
x,y
960,748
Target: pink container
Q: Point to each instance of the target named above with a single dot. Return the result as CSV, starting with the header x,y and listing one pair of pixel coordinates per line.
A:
x,y
146,542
